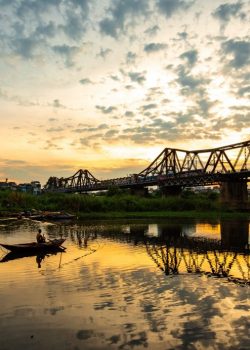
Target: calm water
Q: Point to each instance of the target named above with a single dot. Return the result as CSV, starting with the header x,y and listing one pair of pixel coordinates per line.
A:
x,y
128,285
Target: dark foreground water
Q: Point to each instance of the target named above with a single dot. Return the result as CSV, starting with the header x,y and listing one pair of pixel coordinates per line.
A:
x,y
169,285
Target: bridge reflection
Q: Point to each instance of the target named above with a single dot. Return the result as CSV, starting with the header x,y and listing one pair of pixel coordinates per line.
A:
x,y
172,261
228,257
178,248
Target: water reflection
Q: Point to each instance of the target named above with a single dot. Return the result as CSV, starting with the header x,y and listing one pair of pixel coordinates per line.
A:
x,y
146,285
234,234
39,258
176,252
171,260
81,237
218,249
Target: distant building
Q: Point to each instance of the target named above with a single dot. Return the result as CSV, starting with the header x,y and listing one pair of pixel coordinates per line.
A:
x,y
25,187
34,187
203,189
8,185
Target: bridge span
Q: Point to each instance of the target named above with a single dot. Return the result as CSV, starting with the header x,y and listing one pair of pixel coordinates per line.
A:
x,y
172,170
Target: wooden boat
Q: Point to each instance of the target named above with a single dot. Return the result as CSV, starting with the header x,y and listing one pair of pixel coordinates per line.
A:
x,y
53,216
59,216
34,247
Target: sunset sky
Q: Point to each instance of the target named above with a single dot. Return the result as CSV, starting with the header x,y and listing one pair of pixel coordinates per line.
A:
x,y
107,85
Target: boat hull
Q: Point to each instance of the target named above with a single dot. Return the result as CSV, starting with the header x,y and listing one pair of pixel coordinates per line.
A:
x,y
34,247
52,216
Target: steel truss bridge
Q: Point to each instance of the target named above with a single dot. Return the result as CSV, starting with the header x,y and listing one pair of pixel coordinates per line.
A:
x,y
172,168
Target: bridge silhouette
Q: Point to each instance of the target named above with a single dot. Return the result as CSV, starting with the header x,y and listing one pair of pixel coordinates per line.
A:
x,y
172,170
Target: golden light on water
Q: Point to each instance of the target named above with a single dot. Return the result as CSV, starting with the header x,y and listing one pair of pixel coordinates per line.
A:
x,y
208,230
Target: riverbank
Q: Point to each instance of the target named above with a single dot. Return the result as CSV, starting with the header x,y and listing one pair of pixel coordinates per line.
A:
x,y
165,214
188,205
141,215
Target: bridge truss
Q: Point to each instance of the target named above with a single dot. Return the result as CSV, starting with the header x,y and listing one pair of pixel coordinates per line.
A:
x,y
172,167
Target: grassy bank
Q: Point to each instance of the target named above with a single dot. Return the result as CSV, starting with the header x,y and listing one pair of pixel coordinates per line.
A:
x,y
118,205
164,214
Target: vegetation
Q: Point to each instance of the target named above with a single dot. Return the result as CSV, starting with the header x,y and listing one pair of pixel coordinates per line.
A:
x,y
115,203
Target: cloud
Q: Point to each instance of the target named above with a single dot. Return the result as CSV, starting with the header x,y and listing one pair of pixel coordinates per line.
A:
x,y
55,129
45,30
67,52
27,7
23,171
110,134
91,128
131,57
137,77
235,122
190,56
76,18
10,162
129,87
169,7
244,91
142,136
239,121
18,99
24,47
237,52
121,15
32,28
154,47
104,52
183,35
85,81
225,12
129,114
74,26
189,82
106,110
57,104
114,77
149,106
51,146
194,89
82,4
162,124
152,31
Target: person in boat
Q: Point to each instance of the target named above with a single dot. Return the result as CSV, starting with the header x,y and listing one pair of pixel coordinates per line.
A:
x,y
39,237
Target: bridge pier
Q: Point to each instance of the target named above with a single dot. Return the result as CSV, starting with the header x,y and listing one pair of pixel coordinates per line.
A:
x,y
139,191
234,194
170,190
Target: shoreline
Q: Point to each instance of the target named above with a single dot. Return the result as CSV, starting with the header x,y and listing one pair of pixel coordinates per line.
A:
x,y
143,215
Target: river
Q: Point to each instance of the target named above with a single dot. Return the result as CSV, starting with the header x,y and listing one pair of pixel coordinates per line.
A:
x,y
167,284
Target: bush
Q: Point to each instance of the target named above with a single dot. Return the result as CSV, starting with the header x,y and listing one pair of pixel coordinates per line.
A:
x,y
113,200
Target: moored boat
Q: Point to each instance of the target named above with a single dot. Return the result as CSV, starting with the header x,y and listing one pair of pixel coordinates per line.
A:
x,y
51,245
52,216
